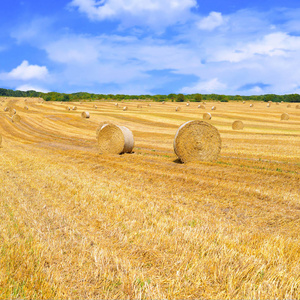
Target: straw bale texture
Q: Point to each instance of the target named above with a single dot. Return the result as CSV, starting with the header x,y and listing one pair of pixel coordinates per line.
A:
x,y
206,116
237,125
100,127
197,141
285,116
16,118
85,114
114,139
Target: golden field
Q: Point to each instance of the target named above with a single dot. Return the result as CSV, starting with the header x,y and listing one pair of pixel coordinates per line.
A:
x,y
77,224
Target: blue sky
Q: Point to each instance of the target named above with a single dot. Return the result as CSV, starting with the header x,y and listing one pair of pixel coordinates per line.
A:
x,y
151,46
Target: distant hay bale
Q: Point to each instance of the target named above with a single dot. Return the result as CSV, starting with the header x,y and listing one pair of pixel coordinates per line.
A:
x,y
116,104
16,118
298,106
26,107
74,108
285,116
163,102
149,104
289,105
100,127
25,100
6,109
213,108
95,106
201,106
251,105
85,114
114,139
237,125
139,106
178,108
206,116
80,102
188,104
197,141
269,104
68,108
277,103
125,108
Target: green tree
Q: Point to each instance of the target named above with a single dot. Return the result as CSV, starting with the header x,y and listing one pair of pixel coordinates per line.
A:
x,y
180,98
198,97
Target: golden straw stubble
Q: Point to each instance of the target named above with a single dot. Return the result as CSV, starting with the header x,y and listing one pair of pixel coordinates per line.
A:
x,y
114,139
197,141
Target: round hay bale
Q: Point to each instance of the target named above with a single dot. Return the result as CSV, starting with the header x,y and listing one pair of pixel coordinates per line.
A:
x,y
269,104
285,116
289,105
298,106
197,141
149,104
16,118
116,104
201,106
12,111
74,108
26,107
206,116
277,103
95,106
178,108
139,106
68,108
114,139
6,109
100,127
125,108
188,104
244,102
213,108
85,114
237,125
251,105
163,102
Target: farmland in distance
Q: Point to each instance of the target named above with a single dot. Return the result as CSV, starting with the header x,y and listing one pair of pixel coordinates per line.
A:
x,y
77,224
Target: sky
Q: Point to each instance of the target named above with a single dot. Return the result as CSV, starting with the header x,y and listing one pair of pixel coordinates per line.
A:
x,y
231,47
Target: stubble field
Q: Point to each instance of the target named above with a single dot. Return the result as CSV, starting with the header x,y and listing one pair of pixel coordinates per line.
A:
x,y
77,224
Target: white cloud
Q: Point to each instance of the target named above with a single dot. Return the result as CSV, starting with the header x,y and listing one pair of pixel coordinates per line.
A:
x,y
212,21
137,12
28,87
25,72
206,87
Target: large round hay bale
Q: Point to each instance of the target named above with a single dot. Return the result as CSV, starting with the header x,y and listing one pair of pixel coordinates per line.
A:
x,y
85,114
285,116
114,139
125,108
100,127
197,141
213,108
237,125
206,116
298,106
178,108
251,105
16,118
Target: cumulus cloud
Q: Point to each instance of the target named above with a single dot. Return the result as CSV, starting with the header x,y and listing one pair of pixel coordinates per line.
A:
x,y
28,87
25,71
206,87
212,21
136,12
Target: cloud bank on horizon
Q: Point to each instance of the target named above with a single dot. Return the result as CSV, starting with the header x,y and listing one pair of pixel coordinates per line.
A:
x,y
151,47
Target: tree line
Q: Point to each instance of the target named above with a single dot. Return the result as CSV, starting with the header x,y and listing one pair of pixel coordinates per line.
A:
x,y
54,96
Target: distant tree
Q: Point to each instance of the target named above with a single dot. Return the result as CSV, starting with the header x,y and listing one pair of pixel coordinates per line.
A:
x,y
180,98
198,97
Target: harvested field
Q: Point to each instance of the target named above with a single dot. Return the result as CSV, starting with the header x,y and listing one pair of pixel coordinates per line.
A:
x,y
77,224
